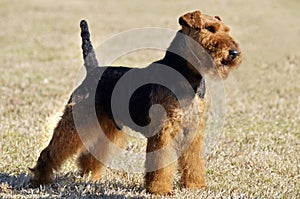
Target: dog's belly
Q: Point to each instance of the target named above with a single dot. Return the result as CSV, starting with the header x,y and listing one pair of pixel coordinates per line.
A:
x,y
124,103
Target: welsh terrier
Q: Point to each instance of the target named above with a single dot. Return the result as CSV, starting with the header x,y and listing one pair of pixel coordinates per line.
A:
x,y
202,46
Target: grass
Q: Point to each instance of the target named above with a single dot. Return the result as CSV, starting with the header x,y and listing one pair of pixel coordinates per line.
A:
x,y
257,155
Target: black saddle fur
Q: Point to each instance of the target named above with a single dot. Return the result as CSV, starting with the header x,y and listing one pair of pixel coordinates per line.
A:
x,y
105,78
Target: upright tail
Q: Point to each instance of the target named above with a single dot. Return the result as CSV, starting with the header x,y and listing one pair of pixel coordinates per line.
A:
x,y
89,56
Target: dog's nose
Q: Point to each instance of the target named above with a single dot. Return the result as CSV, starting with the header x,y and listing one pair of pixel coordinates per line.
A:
x,y
233,53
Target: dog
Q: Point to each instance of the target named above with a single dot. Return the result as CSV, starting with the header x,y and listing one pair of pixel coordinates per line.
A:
x,y
201,47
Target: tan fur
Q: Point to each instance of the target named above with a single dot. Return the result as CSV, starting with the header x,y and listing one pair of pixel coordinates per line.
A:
x,y
191,165
88,163
217,44
65,142
181,124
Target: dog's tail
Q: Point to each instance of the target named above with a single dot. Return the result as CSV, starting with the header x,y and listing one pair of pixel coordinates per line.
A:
x,y
89,56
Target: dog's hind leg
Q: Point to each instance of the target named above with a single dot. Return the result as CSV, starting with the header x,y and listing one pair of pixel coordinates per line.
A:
x,y
94,159
65,142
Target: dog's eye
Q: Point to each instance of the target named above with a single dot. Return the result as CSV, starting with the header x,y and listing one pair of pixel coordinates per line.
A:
x,y
211,29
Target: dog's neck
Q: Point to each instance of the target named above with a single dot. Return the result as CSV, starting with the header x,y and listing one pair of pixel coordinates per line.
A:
x,y
178,56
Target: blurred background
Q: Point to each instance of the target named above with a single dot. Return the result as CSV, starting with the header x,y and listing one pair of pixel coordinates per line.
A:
x,y
41,55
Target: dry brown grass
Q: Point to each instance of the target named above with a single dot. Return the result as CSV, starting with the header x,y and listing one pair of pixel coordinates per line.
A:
x,y
258,155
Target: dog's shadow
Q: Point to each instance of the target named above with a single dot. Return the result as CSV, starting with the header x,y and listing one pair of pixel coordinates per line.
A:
x,y
66,186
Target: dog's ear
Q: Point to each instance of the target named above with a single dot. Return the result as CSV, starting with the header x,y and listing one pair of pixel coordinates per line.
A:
x,y
191,20
219,18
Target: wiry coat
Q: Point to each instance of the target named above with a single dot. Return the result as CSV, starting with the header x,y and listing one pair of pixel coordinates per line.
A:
x,y
180,133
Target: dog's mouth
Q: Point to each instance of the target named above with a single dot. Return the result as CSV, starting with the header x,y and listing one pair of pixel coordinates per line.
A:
x,y
230,61
225,62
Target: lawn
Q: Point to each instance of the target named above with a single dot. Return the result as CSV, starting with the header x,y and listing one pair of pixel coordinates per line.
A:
x,y
258,153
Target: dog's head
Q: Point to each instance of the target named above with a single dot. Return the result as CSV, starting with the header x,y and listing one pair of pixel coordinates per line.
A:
x,y
213,35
